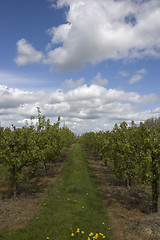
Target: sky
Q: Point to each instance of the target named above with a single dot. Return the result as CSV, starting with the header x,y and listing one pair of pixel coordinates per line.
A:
x,y
94,63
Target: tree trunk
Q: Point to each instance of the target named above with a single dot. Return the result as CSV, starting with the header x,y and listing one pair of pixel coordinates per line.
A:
x,y
128,181
155,195
44,166
158,200
14,180
154,185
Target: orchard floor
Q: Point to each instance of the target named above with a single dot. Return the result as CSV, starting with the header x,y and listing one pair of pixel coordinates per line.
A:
x,y
129,209
16,212
72,208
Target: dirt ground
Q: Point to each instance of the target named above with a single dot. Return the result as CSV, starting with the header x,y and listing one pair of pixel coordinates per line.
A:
x,y
129,209
15,212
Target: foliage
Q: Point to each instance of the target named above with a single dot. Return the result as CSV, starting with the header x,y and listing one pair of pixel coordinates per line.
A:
x,y
133,151
30,145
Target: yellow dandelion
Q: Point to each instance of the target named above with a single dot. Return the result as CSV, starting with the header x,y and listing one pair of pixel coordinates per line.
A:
x,y
89,238
96,236
82,206
91,234
87,194
37,218
82,232
47,238
72,234
104,237
68,199
78,230
103,223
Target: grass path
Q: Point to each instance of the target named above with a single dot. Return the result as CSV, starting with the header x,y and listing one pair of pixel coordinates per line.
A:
x,y
73,208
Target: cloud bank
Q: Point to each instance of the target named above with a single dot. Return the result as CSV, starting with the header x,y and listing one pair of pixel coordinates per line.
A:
x,y
84,108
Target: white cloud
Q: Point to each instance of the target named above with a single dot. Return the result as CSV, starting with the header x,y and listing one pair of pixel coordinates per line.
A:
x,y
135,78
141,71
124,73
26,53
97,30
83,108
138,76
98,80
13,98
69,83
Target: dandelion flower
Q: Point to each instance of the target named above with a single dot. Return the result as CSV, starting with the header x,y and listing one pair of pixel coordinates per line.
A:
x,y
91,234
82,206
103,223
78,230
82,232
72,234
96,236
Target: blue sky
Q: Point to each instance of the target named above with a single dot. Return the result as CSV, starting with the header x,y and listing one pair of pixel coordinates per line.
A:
x,y
93,62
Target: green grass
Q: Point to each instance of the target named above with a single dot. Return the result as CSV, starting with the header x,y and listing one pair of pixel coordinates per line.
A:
x,y
3,171
73,202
